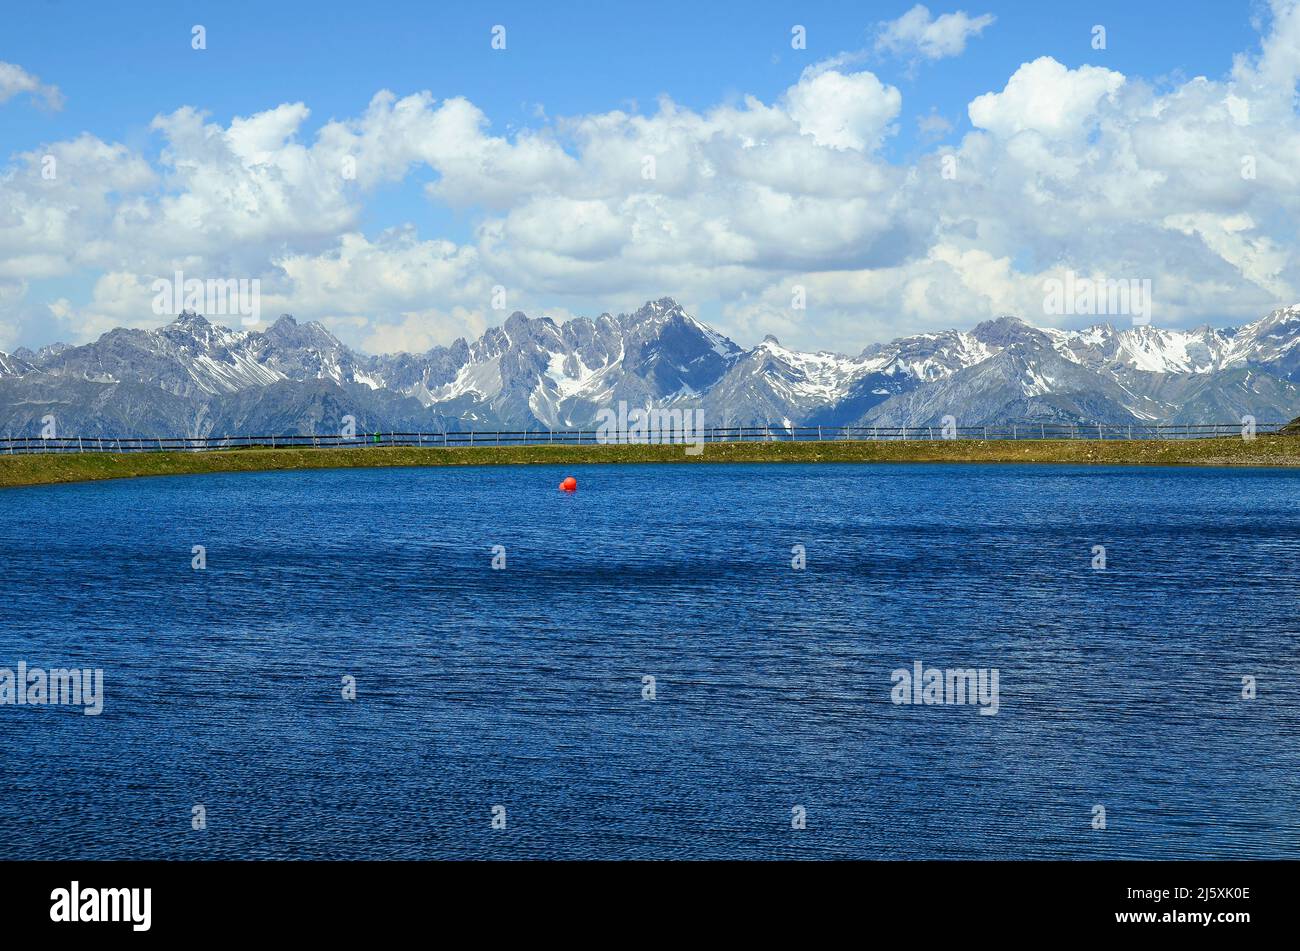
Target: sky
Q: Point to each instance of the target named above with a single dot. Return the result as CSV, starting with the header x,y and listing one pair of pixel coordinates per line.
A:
x,y
831,173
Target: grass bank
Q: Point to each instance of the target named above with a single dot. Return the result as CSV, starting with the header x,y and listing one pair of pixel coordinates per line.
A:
x,y
41,469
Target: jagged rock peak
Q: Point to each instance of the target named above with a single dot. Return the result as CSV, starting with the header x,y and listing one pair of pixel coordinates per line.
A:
x,y
189,318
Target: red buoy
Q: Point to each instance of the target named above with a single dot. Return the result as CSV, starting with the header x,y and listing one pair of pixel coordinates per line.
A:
x,y
570,484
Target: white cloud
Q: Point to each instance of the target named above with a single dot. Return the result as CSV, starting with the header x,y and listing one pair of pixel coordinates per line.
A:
x,y
917,34
1277,66
1235,239
1046,97
932,126
60,206
14,80
385,276
420,330
1065,168
843,111
12,298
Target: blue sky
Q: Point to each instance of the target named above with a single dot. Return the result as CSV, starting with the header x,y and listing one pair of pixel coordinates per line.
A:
x,y
118,67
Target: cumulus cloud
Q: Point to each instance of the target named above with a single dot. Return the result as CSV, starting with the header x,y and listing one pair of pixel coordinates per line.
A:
x,y
60,207
1046,97
358,275
918,35
843,112
1192,185
417,331
14,80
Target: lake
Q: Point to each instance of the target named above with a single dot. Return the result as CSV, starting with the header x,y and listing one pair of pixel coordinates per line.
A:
x,y
520,694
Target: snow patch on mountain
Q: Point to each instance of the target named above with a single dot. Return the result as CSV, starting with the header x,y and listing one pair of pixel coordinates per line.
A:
x,y
570,375
474,379
818,377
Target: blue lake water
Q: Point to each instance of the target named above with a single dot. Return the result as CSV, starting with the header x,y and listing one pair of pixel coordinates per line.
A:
x,y
522,687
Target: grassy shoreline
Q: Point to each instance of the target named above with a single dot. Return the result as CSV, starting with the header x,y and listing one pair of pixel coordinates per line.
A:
x,y
45,469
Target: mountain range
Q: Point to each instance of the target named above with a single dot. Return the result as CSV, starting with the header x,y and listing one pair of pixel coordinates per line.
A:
x,y
196,378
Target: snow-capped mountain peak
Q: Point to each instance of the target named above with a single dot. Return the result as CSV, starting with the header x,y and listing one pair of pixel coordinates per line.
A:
x,y
532,372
